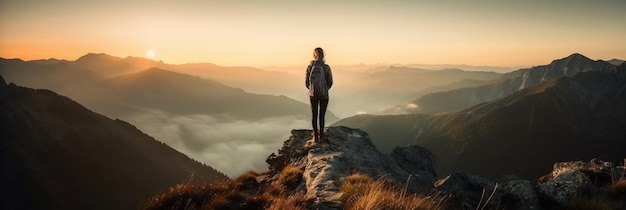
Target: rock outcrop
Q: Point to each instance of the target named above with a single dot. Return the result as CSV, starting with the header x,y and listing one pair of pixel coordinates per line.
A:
x,y
348,151
573,180
469,191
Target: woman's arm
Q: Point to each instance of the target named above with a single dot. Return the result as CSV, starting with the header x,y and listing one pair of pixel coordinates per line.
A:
x,y
308,75
329,77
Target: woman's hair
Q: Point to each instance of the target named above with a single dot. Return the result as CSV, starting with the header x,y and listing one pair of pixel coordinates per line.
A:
x,y
318,54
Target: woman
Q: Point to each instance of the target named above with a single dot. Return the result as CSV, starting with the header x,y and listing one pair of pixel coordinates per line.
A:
x,y
319,79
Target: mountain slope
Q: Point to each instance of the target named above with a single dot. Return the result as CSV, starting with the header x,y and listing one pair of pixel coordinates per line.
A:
x,y
507,84
56,154
579,117
92,81
184,94
371,92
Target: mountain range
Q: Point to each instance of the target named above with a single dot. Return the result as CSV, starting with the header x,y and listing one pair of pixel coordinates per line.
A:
x,y
57,154
102,81
190,113
508,83
571,116
377,90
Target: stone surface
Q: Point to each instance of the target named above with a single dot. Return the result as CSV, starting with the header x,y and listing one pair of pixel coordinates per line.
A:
x,y
466,190
570,180
565,187
520,194
348,151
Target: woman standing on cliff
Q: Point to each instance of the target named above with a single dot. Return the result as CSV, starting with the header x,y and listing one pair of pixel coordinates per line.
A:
x,y
319,79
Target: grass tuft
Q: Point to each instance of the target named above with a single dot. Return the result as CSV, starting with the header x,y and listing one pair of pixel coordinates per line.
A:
x,y
617,189
190,195
247,180
291,202
355,185
290,177
362,192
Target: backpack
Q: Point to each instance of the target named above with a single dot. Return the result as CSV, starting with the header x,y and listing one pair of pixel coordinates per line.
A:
x,y
317,81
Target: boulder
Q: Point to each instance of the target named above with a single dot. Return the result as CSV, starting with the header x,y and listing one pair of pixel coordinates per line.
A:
x,y
565,187
519,194
575,179
468,191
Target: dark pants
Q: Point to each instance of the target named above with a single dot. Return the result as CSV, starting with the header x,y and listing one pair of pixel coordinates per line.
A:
x,y
318,104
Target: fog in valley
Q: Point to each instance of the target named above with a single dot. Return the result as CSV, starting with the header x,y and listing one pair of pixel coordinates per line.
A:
x,y
230,145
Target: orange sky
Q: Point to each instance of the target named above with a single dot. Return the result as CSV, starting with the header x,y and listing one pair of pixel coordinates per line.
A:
x,y
264,33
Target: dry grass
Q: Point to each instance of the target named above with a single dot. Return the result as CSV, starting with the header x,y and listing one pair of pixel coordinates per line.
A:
x,y
362,192
190,195
292,202
617,188
355,185
290,177
250,175
247,180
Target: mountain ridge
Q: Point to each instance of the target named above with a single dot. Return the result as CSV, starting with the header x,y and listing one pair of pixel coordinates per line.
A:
x,y
554,121
58,154
507,84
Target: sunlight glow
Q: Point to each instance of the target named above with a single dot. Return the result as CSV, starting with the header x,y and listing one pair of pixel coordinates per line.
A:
x,y
150,54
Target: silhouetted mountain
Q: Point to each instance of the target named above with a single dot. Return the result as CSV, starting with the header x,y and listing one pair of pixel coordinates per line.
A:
x,y
87,80
507,84
56,154
615,61
184,94
370,92
110,66
248,78
578,117
251,79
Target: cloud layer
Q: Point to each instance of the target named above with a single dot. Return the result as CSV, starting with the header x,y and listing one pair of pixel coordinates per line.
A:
x,y
228,145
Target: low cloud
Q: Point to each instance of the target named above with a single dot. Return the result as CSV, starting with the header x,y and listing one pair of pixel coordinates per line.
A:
x,y
399,109
228,145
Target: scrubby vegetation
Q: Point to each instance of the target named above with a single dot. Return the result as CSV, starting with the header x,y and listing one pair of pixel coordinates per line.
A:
x,y
245,192
617,189
359,192
284,191
363,192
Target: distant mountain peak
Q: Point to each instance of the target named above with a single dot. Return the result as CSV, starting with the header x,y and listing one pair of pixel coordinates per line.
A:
x,y
97,57
615,61
576,57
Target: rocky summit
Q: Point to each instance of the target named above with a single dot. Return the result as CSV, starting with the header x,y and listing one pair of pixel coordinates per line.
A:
x,y
347,151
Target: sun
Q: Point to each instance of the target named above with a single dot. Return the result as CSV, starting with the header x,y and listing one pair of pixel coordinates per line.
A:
x,y
150,54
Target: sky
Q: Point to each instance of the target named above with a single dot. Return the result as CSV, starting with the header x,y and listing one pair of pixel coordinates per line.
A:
x,y
282,33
